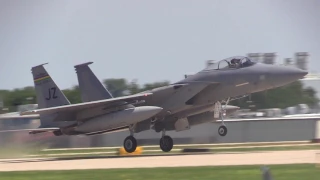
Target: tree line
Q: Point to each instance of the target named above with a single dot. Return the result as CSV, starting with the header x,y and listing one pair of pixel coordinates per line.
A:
x,y
282,97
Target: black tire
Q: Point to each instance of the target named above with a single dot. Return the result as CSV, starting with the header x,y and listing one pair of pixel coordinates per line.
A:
x,y
130,144
166,143
222,130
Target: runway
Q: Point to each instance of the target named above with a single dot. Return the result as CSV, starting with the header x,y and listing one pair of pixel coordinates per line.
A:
x,y
248,158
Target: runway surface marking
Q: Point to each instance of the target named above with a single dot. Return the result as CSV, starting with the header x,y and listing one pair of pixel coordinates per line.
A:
x,y
257,158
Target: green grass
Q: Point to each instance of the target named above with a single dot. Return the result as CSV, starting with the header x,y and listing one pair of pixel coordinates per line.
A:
x,y
279,172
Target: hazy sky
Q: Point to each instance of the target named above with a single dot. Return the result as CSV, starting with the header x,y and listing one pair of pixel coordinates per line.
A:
x,y
147,40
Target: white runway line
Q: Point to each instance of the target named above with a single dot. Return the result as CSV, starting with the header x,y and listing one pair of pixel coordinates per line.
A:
x,y
257,158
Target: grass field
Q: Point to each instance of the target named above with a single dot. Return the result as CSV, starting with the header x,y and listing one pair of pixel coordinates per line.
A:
x,y
279,172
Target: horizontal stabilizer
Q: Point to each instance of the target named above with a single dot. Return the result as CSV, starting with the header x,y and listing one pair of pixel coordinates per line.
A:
x,y
32,131
19,117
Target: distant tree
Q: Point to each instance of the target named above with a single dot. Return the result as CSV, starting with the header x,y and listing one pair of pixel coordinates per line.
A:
x,y
134,87
19,97
282,97
150,86
117,87
73,94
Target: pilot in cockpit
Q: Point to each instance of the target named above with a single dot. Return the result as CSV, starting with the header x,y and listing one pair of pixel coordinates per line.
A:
x,y
234,63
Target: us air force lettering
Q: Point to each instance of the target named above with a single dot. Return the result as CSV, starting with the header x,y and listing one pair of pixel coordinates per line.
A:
x,y
199,98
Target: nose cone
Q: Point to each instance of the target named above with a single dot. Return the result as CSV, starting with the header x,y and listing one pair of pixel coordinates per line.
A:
x,y
295,73
282,75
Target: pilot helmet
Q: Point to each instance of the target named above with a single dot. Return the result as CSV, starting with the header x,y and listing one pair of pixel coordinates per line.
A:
x,y
234,61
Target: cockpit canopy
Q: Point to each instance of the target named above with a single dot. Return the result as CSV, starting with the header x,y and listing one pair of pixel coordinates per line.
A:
x,y
235,62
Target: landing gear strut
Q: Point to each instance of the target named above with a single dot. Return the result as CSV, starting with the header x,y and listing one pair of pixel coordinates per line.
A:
x,y
223,129
130,143
166,142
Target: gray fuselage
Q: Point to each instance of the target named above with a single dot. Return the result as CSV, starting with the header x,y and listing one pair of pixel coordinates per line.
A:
x,y
210,85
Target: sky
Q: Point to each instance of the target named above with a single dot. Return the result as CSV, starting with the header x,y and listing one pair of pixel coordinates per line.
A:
x,y
148,40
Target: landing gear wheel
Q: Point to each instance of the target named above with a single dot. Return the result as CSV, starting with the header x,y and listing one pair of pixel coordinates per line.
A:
x,y
223,130
130,144
166,143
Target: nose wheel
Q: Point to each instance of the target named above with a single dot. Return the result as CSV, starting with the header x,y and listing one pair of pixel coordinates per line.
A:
x,y
222,129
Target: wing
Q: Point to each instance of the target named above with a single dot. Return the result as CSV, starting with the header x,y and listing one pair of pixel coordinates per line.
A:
x,y
81,106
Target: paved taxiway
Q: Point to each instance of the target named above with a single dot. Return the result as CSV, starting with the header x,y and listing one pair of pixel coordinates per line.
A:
x,y
257,158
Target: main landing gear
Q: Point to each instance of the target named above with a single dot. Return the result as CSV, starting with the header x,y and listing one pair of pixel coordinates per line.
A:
x,y
130,143
222,129
166,142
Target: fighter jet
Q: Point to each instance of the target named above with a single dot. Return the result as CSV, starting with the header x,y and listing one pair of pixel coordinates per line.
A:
x,y
92,89
196,99
50,121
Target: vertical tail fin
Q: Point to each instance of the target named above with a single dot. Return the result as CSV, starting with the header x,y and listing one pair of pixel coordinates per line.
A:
x,y
47,92
90,87
48,95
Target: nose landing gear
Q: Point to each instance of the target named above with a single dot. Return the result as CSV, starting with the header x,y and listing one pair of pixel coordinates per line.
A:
x,y
222,110
222,130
